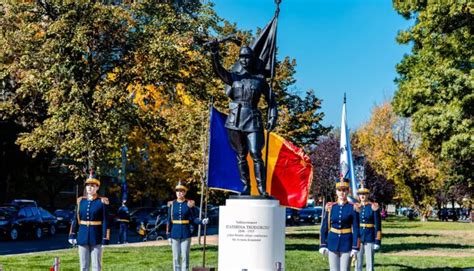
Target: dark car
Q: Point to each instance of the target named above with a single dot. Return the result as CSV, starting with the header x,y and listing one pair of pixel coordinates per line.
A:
x,y
21,220
213,215
446,214
157,216
49,223
64,217
310,215
139,215
292,217
24,203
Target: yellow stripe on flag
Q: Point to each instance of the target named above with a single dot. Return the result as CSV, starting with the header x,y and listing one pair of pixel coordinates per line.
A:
x,y
276,142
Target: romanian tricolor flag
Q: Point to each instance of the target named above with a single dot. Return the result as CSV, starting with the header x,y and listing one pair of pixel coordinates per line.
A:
x,y
289,171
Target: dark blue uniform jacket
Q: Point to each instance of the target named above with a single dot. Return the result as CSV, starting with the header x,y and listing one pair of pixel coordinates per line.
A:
x,y
90,224
340,228
181,215
123,214
370,224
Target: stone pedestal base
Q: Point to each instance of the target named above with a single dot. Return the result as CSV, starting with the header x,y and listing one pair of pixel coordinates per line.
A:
x,y
251,235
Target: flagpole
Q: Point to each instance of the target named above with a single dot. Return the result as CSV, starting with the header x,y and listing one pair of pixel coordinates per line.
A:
x,y
204,187
270,94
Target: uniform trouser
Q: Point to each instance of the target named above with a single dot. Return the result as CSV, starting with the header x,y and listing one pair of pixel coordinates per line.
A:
x,y
368,250
123,232
181,247
88,254
243,143
339,261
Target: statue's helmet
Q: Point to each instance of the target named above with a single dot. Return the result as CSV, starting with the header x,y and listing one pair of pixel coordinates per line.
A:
x,y
246,51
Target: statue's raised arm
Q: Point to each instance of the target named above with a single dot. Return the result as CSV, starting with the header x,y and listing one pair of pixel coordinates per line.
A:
x,y
217,66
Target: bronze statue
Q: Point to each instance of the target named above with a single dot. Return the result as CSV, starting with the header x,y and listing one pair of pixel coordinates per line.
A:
x,y
244,123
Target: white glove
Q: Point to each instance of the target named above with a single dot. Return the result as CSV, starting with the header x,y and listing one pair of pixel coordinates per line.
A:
x,y
205,221
354,253
376,247
169,241
72,241
323,251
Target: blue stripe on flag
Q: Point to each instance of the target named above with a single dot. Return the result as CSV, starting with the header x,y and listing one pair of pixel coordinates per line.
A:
x,y
223,172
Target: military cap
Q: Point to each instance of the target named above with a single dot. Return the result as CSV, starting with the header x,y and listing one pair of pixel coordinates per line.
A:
x,y
181,185
92,179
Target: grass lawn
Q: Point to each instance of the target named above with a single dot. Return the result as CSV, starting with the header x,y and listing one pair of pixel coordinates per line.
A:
x,y
406,245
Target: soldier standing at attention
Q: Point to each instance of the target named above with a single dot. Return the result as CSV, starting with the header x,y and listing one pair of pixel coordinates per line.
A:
x,y
123,219
340,230
90,229
181,214
370,232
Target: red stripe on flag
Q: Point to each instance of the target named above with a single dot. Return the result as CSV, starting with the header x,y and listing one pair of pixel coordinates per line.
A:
x,y
292,176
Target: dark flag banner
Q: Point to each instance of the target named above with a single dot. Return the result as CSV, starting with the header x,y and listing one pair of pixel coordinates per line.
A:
x,y
264,48
124,191
289,171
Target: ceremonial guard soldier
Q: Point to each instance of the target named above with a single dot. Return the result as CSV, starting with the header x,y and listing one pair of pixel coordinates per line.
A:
x,y
370,232
181,215
340,230
90,229
124,220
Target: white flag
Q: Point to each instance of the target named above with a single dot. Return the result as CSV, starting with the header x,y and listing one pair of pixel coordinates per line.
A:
x,y
346,164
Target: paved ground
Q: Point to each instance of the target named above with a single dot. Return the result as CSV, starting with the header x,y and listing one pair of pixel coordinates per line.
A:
x,y
59,241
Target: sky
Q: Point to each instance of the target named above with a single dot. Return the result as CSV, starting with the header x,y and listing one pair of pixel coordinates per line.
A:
x,y
340,46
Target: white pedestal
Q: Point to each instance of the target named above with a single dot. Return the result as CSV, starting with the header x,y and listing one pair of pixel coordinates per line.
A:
x,y
251,235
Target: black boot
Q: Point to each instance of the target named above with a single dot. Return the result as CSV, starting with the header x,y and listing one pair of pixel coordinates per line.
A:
x,y
260,178
244,177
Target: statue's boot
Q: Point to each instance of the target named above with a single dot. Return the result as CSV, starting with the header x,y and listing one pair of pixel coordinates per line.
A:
x,y
244,177
260,178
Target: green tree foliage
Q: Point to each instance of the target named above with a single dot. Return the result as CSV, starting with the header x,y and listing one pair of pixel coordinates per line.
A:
x,y
435,82
84,78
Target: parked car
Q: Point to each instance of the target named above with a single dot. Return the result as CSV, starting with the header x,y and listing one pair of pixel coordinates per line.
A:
x,y
64,217
213,215
139,215
48,222
23,219
310,215
24,203
446,214
156,217
292,217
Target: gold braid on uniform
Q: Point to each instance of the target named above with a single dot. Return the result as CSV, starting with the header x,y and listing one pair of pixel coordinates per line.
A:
x,y
329,205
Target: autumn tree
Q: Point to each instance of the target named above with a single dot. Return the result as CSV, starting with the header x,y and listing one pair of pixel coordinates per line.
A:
x,y
325,158
396,152
435,82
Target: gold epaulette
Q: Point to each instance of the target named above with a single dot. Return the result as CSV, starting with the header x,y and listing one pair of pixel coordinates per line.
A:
x,y
79,200
329,205
170,203
104,200
375,206
191,203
